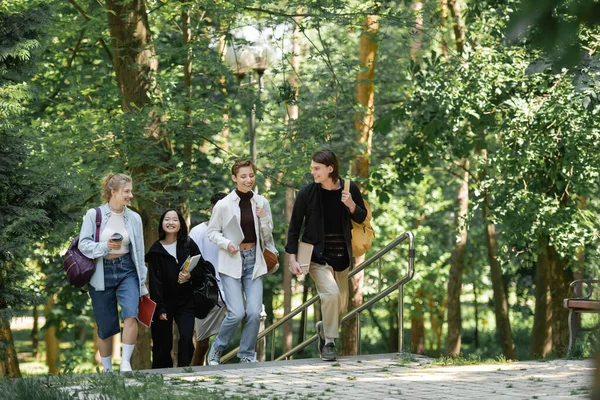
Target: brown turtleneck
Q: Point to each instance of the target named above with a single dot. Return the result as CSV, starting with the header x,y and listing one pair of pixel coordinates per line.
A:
x,y
247,217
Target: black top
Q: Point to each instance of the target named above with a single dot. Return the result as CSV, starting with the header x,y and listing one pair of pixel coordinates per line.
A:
x,y
335,252
163,273
307,222
247,217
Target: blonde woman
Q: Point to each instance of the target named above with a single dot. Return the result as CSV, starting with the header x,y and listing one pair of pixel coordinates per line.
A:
x,y
120,274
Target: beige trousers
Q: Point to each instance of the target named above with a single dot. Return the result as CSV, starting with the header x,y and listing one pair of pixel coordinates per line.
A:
x,y
333,291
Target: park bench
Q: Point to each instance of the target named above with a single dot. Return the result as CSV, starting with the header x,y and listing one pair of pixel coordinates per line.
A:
x,y
584,288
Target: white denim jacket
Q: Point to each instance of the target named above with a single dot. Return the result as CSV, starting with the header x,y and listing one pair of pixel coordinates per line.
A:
x,y
97,250
224,210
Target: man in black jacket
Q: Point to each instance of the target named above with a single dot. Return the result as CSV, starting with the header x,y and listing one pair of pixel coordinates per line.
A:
x,y
325,211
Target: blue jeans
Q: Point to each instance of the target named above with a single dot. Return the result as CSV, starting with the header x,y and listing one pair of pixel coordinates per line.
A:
x,y
234,290
122,285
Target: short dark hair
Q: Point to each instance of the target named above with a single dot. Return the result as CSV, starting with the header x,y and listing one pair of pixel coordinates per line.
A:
x,y
183,230
241,164
216,197
328,157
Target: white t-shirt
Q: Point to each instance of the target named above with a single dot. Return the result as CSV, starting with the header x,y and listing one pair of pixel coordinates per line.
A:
x,y
116,224
209,250
171,249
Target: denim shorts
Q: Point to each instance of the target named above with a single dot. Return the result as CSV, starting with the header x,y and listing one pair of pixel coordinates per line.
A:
x,y
121,284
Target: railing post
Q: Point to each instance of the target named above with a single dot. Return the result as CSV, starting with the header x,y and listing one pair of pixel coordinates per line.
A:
x,y
261,345
358,334
400,318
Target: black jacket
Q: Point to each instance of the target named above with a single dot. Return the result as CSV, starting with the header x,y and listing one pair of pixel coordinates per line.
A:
x,y
308,212
163,273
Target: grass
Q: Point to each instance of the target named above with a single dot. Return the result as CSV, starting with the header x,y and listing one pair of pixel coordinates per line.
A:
x,y
74,357
107,386
469,360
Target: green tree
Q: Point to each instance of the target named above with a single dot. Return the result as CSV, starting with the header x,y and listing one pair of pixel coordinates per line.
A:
x,y
30,194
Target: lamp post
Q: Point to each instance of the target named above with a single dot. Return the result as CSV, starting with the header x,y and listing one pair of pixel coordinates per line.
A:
x,y
259,58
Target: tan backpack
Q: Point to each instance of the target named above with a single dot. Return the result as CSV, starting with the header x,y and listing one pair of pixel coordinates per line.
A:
x,y
363,233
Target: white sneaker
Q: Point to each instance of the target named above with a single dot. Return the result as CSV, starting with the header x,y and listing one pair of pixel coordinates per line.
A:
x,y
214,356
125,366
245,360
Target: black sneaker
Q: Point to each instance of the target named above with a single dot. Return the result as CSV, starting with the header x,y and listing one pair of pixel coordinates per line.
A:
x,y
329,352
321,336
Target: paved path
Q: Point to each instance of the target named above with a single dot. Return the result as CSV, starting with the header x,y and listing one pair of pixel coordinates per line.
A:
x,y
391,376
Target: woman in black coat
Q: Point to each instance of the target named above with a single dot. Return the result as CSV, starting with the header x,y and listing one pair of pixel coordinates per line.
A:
x,y
172,290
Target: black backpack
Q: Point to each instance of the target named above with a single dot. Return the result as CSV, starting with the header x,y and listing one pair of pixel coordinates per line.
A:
x,y
206,289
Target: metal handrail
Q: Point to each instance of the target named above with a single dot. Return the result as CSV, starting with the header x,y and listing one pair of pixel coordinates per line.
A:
x,y
399,285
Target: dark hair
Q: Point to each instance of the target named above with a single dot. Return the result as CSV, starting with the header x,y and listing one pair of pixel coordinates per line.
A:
x,y
183,229
241,164
327,158
216,197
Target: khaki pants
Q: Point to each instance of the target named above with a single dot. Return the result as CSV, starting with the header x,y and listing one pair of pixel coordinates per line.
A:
x,y
333,291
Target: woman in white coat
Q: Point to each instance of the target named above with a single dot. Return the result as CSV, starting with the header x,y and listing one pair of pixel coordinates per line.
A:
x,y
241,265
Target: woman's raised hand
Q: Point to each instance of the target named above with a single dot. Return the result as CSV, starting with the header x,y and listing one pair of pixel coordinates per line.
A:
x,y
232,249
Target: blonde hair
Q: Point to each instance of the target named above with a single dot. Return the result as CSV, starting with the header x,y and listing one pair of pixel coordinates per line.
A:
x,y
113,182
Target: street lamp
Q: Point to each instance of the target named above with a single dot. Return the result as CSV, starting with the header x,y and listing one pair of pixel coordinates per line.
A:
x,y
259,58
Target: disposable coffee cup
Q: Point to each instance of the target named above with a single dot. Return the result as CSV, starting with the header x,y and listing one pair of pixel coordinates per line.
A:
x,y
116,238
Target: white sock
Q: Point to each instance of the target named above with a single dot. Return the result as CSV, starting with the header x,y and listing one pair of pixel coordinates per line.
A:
x,y
329,340
106,363
126,352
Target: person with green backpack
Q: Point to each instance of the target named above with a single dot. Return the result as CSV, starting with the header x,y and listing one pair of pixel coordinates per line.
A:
x,y
323,213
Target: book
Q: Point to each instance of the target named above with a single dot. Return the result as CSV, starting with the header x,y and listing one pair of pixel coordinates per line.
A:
x,y
146,308
233,231
304,255
189,264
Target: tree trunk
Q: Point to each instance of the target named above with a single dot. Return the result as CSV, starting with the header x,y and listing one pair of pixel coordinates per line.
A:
x,y
416,32
457,25
188,164
349,337
9,363
52,344
444,42
303,315
560,277
287,278
500,298
135,64
436,321
291,117
363,125
457,261
417,324
35,341
541,344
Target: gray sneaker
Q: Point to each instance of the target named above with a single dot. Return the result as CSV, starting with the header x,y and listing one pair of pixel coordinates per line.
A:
x,y
214,356
245,360
329,352
321,336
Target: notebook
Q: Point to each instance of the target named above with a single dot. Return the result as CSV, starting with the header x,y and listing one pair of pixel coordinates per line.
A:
x,y
190,263
146,309
304,255
233,231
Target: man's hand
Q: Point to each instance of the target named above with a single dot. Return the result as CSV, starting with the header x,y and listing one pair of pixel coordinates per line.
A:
x,y
348,201
295,268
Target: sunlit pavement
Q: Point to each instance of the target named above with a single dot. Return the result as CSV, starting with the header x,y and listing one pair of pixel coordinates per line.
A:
x,y
392,376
